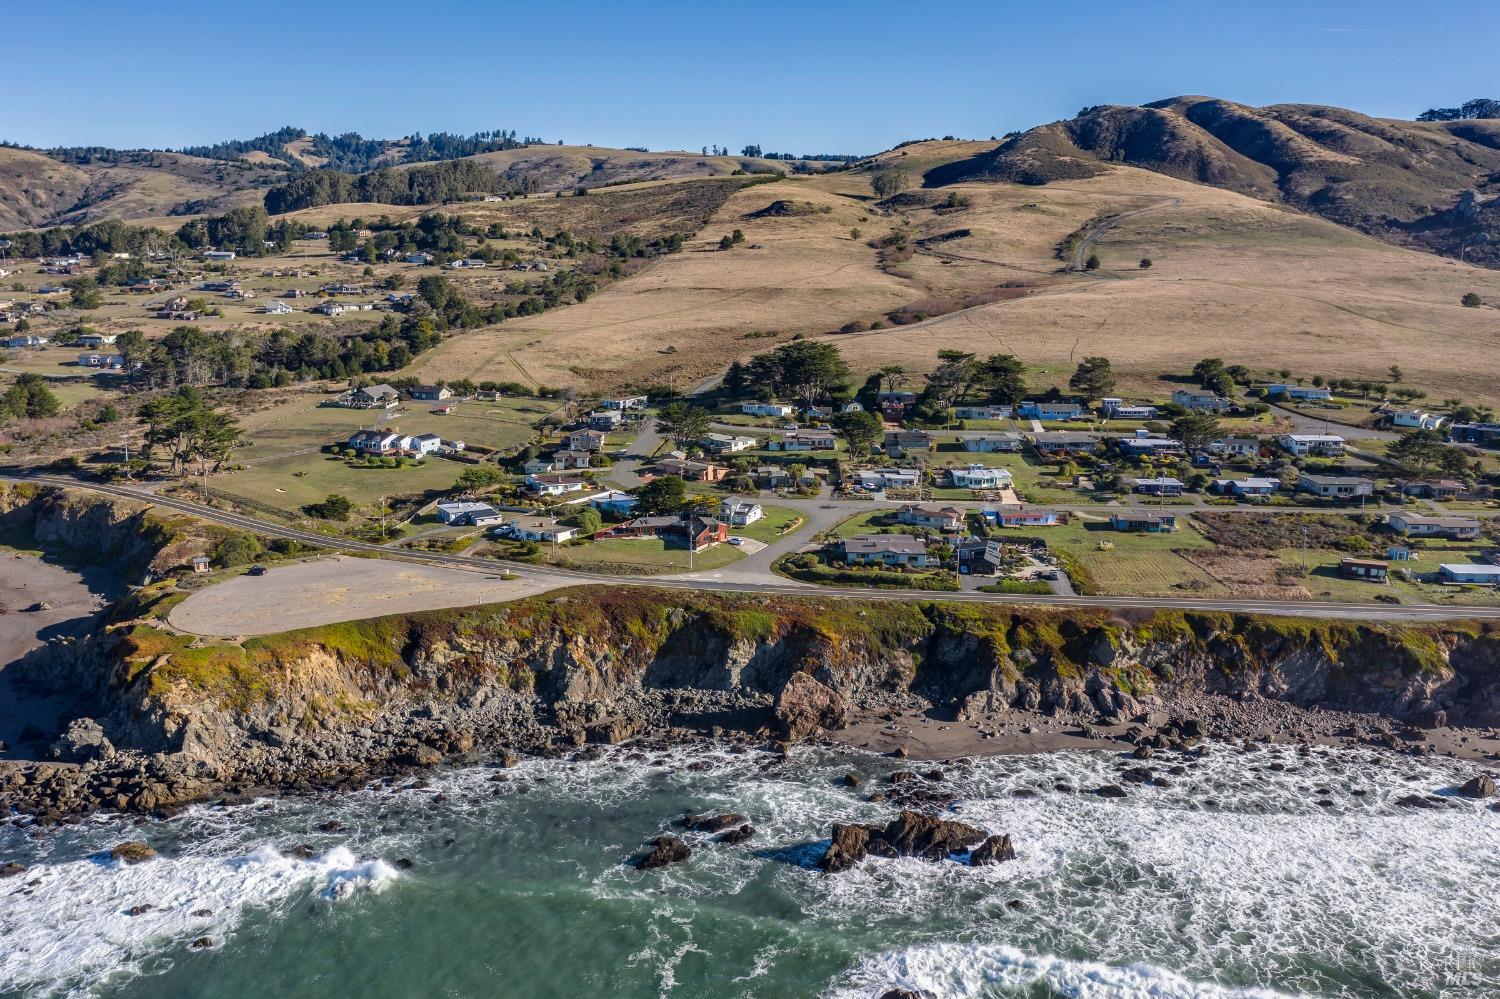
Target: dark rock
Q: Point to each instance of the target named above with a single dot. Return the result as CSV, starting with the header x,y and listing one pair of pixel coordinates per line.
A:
x,y
852,779
82,741
1478,786
1110,791
994,850
139,910
331,826
301,851
806,706
11,868
665,850
713,823
405,864
906,994
614,731
202,913
849,845
735,836
132,852
1416,801
202,943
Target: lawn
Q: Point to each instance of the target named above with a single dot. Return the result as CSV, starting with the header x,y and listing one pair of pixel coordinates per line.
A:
x,y
1136,564
870,522
277,482
771,526
303,423
646,556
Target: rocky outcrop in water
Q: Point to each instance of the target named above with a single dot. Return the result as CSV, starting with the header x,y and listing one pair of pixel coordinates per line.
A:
x,y
910,834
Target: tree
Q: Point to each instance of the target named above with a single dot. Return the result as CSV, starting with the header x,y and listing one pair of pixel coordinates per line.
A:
x,y
588,521
1004,377
1092,263
892,377
860,429
888,182
1396,373
806,369
683,424
478,477
1419,451
1208,370
1470,300
736,379
29,396
1145,263
1196,431
1094,378
666,494
335,507
952,379
84,293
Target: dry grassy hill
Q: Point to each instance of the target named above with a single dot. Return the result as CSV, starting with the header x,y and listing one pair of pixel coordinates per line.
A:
x,y
1235,276
1398,180
560,168
38,191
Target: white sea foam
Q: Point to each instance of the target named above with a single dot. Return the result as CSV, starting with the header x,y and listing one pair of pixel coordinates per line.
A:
x,y
73,929
954,970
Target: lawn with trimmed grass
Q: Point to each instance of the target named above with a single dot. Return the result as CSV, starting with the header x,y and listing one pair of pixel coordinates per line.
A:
x,y
775,523
302,423
277,482
1133,564
645,556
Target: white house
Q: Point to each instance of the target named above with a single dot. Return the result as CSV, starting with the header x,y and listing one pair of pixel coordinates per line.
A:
x,y
982,412
1118,409
1321,445
725,444
1033,409
275,308
979,477
554,484
624,402
1247,487
989,442
738,512
1335,486
467,264
468,512
1298,391
586,440
1417,420
97,339
1236,447
218,254
884,549
1453,572
1200,400
877,479
422,444
1415,525
605,419
544,529
776,409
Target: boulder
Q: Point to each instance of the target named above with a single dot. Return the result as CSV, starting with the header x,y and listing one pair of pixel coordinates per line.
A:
x,y
664,850
1110,791
132,852
202,943
994,850
849,845
712,823
736,836
912,834
82,741
11,868
905,994
805,706
613,731
1478,786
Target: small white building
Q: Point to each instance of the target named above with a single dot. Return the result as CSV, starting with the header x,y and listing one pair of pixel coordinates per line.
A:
x,y
218,254
775,409
275,308
1320,445
979,477
738,512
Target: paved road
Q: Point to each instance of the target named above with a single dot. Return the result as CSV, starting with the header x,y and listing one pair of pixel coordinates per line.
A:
x,y
538,578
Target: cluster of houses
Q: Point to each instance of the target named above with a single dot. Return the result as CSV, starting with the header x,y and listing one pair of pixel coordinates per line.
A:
x,y
393,443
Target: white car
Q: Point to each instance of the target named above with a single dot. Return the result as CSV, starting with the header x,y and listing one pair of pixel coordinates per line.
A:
x,y
736,541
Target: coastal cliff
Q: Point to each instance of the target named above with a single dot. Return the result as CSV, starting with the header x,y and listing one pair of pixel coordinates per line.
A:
x,y
166,717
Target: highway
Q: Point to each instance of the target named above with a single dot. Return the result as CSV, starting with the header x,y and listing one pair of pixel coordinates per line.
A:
x,y
762,581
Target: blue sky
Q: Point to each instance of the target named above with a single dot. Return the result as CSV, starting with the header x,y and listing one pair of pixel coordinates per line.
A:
x,y
794,77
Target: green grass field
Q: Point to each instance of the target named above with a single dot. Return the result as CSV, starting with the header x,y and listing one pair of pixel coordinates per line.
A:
x,y
770,527
302,423
277,482
646,556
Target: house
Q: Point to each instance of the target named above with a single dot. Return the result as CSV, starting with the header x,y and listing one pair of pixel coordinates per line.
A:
x,y
1200,401
1236,447
1482,434
466,264
275,308
536,466
895,402
982,412
101,360
1153,522
1162,485
97,339
417,258
372,397
314,235
1486,575
773,409
424,444
177,303
772,477
1247,488
611,501
692,471
803,440
1415,525
1320,445
468,513
989,442
1335,486
1417,419
1054,442
1305,392
586,440
624,402
1145,445
852,406
218,254
738,512
554,483
239,293
979,477
431,393
725,444
899,443
329,307
939,518
543,529
1119,409
1033,409
884,549
1019,515
1366,569
878,479
685,530
605,419
381,442
24,340
564,460
1441,489
979,556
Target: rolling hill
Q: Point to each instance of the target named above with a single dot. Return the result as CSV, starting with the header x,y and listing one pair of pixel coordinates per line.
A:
x,y
1431,185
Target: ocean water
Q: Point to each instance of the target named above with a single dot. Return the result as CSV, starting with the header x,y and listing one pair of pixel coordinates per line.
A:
x,y
1231,882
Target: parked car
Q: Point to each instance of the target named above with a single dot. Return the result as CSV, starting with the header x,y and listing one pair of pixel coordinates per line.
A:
x,y
257,570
